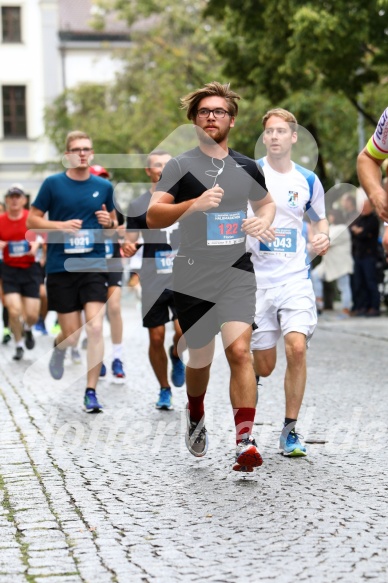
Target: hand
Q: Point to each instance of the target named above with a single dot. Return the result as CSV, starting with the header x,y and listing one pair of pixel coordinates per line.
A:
x,y
209,199
320,243
34,246
71,226
379,200
259,228
129,249
104,218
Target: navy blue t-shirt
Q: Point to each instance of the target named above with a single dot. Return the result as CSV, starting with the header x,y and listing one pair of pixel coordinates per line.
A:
x,y
64,199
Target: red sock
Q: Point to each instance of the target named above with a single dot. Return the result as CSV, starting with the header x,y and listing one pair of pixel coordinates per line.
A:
x,y
196,407
243,419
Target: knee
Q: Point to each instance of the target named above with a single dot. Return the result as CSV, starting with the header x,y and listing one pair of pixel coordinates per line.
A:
x,y
264,369
239,355
114,310
14,312
296,352
157,341
94,330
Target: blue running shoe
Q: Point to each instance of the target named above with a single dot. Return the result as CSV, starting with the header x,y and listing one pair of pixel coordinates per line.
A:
x,y
118,371
165,399
56,363
290,443
91,403
40,326
178,369
102,371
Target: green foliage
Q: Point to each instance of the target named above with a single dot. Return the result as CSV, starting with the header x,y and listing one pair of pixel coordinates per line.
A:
x,y
322,60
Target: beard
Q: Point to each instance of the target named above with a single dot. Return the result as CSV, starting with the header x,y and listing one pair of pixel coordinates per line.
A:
x,y
216,137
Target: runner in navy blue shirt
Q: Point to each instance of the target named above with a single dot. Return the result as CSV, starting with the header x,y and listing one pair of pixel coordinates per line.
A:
x,y
79,206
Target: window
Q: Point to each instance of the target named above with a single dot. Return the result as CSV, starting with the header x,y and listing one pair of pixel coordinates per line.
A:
x,y
11,24
14,111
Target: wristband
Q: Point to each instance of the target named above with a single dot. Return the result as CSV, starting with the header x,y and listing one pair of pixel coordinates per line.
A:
x,y
322,233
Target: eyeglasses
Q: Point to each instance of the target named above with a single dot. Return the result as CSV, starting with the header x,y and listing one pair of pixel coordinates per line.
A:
x,y
218,113
79,150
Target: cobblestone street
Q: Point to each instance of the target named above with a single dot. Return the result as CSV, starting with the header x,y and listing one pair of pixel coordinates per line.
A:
x,y
117,497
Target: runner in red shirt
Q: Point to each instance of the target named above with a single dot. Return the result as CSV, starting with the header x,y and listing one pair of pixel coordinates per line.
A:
x,y
19,271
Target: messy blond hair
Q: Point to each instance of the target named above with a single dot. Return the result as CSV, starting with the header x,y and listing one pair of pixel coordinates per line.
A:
x,y
75,135
284,114
191,100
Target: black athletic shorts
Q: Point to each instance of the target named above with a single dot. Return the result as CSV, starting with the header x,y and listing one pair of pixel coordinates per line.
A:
x,y
70,291
160,312
207,295
115,271
42,272
21,280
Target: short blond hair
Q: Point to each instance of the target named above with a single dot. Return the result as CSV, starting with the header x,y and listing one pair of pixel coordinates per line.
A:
x,y
76,135
191,100
284,114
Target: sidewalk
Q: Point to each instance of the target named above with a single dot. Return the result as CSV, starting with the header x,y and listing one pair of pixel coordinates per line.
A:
x,y
117,498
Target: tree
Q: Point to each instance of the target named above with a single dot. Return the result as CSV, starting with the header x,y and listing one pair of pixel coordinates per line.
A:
x,y
323,60
171,55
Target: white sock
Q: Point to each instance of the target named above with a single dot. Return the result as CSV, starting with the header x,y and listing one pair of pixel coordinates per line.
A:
x,y
117,351
19,344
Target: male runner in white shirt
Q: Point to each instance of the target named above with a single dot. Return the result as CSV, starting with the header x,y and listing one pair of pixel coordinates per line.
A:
x,y
285,301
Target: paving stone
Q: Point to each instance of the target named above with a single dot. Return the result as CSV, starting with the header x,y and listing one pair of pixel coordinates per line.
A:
x,y
117,497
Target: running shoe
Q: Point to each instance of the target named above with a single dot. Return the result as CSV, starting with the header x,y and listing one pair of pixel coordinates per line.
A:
x,y
29,340
40,326
91,403
165,399
6,335
19,353
196,438
247,455
56,363
178,369
117,369
75,356
290,443
55,330
102,371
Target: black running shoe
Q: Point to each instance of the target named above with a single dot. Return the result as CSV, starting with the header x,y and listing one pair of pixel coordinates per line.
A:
x,y
29,340
19,353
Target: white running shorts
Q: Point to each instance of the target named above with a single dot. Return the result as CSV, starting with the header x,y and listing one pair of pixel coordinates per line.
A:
x,y
283,309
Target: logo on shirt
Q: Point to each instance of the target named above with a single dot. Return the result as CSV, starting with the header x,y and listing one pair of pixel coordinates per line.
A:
x,y
240,165
95,194
292,199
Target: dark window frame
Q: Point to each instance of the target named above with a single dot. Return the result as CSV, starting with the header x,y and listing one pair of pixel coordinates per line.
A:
x,y
14,102
11,24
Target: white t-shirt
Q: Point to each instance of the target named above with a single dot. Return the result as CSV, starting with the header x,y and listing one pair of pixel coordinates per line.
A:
x,y
294,193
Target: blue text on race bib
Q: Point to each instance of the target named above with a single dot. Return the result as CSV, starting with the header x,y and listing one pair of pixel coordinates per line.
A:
x,y
285,242
80,242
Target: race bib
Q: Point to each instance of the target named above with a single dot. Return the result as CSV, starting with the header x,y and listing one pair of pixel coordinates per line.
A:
x,y
109,248
80,242
285,242
18,248
225,228
164,261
